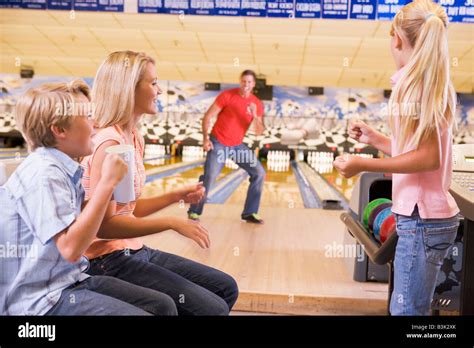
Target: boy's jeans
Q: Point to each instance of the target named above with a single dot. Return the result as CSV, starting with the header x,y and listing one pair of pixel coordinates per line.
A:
x,y
422,246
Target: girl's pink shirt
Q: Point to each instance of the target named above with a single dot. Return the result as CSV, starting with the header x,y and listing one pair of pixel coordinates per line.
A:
x,y
428,190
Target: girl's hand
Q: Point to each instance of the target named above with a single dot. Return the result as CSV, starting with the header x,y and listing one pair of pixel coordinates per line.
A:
x,y
348,166
193,230
361,132
192,194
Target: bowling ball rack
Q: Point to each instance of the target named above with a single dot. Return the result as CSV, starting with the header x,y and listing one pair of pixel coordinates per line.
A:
x,y
380,254
369,187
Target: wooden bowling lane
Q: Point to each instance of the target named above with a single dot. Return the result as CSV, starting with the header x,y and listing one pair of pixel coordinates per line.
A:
x,y
280,190
149,165
321,162
9,153
175,181
340,183
289,265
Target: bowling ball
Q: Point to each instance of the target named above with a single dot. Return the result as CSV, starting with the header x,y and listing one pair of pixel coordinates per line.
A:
x,y
373,214
388,227
381,217
368,209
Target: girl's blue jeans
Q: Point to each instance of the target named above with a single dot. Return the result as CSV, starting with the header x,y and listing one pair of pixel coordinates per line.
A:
x,y
422,246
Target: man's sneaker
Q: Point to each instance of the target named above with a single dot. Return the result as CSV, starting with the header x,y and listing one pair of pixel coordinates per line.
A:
x,y
252,218
193,216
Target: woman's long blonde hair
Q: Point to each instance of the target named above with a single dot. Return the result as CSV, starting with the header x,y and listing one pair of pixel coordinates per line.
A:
x,y
113,91
425,90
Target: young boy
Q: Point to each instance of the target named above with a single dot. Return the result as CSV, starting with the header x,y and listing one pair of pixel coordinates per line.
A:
x,y
44,233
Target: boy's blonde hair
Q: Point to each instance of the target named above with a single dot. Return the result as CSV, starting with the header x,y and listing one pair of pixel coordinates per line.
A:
x,y
425,89
47,105
113,91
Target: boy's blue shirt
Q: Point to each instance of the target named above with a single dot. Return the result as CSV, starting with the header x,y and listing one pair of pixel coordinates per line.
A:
x,y
42,197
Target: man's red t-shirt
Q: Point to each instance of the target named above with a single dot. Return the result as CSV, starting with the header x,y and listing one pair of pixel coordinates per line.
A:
x,y
235,116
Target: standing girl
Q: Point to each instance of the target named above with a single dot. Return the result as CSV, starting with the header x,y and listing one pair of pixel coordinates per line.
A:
x,y
421,115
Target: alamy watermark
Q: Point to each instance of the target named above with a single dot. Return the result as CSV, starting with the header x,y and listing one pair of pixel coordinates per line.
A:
x,y
337,250
401,109
74,109
9,250
238,156
28,330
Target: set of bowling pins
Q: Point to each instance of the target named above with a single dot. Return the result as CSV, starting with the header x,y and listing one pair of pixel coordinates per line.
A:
x,y
155,154
193,153
278,161
321,161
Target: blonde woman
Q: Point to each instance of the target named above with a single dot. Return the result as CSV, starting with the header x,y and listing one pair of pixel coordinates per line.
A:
x,y
125,88
421,114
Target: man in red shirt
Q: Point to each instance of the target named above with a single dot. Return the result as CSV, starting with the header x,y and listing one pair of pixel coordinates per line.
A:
x,y
235,109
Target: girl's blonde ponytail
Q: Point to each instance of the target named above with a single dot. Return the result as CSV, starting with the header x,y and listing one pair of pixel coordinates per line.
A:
x,y
424,98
